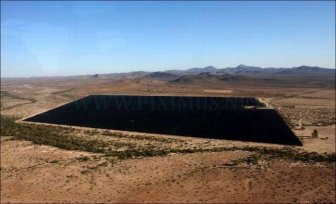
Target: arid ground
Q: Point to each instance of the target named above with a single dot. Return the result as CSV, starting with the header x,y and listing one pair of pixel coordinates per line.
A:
x,y
41,163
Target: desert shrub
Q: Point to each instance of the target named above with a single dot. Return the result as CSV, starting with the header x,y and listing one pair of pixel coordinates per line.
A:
x,y
83,158
48,135
315,133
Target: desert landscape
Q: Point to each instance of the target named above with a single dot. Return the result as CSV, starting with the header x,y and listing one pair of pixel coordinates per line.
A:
x,y
168,102
56,163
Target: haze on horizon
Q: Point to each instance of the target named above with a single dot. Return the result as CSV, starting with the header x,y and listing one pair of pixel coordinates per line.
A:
x,y
76,38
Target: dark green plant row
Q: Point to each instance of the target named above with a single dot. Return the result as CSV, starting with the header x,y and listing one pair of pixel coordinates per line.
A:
x,y
63,138
262,152
55,136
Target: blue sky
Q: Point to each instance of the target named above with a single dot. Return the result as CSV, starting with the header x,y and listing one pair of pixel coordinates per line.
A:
x,y
70,38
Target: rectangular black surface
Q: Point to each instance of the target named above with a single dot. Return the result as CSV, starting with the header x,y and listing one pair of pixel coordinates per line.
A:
x,y
208,117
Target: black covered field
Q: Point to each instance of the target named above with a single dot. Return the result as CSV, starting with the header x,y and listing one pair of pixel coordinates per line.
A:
x,y
207,117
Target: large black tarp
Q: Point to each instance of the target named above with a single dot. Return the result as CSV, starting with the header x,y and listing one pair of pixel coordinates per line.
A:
x,y
230,118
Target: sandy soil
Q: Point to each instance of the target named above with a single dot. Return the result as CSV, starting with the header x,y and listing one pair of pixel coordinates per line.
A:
x,y
35,174
324,143
217,91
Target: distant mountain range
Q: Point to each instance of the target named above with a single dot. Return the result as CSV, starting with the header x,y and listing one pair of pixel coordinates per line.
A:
x,y
207,77
242,70
251,70
211,74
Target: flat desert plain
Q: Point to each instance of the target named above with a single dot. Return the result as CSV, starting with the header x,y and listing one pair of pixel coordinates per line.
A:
x,y
41,163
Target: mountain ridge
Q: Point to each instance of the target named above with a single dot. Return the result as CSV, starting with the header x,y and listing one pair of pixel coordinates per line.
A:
x,y
239,70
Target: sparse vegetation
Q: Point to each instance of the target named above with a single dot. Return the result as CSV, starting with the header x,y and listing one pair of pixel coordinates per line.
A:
x,y
47,135
315,133
55,161
137,137
63,138
83,158
14,96
64,93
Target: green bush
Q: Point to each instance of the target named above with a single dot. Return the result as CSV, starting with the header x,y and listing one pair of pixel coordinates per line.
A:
x,y
315,134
